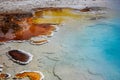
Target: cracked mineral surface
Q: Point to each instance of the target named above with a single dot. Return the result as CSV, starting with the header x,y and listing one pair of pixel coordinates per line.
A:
x,y
75,52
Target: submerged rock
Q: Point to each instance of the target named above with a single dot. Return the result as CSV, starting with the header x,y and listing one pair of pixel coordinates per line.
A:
x,y
20,56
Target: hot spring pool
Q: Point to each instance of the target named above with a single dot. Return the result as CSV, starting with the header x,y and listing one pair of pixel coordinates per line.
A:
x,y
95,51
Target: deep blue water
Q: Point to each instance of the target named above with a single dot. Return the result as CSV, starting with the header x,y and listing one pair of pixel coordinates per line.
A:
x,y
96,48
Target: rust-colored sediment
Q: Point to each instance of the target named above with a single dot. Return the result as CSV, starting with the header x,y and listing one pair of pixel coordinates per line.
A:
x,y
23,26
30,75
24,30
4,76
19,56
34,30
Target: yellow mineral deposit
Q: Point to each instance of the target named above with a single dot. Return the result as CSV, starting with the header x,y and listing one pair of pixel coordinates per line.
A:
x,y
54,15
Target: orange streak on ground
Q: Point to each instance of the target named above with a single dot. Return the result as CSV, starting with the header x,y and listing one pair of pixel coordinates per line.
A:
x,y
4,76
30,75
34,30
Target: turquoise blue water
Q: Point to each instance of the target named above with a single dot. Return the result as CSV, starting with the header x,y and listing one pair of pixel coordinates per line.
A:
x,y
96,49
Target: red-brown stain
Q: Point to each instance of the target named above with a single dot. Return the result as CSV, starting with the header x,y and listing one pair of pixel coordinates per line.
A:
x,y
87,9
23,29
19,56
4,76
